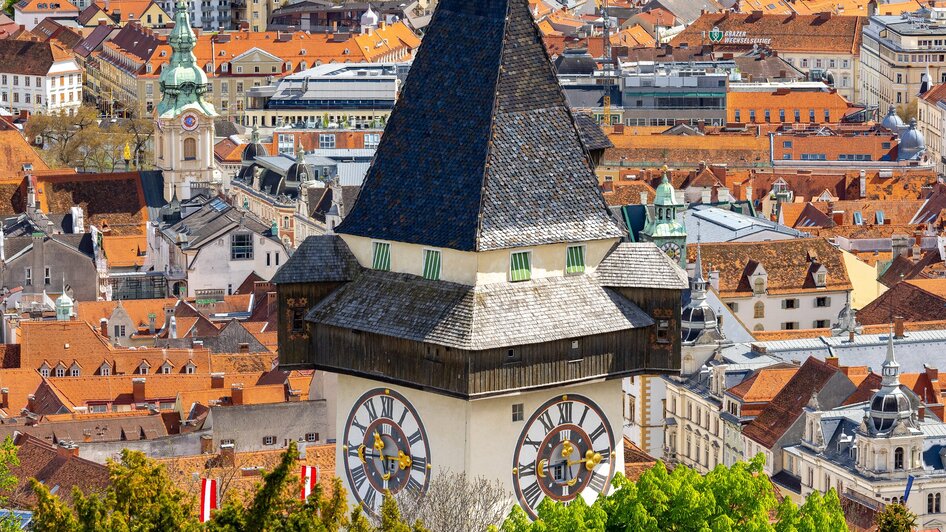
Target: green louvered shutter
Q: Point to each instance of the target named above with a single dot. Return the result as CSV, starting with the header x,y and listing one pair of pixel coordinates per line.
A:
x,y
575,259
382,256
520,268
432,264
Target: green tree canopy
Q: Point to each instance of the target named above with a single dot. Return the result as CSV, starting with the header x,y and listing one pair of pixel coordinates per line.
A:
x,y
739,498
895,518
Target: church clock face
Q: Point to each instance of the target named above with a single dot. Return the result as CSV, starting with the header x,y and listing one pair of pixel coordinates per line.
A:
x,y
565,450
385,448
189,122
672,249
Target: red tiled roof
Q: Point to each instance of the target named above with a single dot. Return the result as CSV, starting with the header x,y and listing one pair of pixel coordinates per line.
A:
x,y
55,469
786,407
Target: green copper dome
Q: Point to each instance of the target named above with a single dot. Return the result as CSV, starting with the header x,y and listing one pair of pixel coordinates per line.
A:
x,y
182,83
665,194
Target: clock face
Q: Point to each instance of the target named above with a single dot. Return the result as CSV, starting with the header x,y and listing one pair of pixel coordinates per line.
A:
x,y
189,122
565,450
386,448
672,249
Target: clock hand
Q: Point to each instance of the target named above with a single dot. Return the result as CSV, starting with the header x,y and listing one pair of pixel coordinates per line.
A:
x,y
378,442
591,460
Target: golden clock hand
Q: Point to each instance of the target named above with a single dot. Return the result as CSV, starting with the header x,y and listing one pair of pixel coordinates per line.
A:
x,y
591,460
378,442
361,453
540,468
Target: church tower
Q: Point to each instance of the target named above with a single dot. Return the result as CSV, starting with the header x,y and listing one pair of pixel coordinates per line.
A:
x,y
477,307
185,120
662,227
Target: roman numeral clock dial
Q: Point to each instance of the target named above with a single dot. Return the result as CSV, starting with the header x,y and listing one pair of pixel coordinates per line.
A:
x,y
386,448
566,449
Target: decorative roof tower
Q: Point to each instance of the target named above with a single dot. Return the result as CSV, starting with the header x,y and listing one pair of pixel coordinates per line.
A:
x,y
662,227
892,405
182,83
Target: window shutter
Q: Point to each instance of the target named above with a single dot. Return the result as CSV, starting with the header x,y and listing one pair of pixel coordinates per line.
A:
x,y
520,269
827,301
431,264
575,259
784,303
382,256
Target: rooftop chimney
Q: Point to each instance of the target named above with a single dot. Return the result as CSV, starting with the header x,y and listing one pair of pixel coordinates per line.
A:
x,y
898,327
236,394
206,444
832,361
67,449
227,455
138,389
4,398
216,380
103,327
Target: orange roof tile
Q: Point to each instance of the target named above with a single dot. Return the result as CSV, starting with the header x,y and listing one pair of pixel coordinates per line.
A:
x,y
186,471
14,152
763,385
788,264
81,391
20,383
41,6
228,151
138,310
301,47
114,203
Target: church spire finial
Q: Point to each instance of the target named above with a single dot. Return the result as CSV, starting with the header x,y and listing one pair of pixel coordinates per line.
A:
x,y
698,284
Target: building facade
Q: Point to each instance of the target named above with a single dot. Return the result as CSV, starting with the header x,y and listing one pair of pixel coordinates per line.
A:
x,y
902,56
39,77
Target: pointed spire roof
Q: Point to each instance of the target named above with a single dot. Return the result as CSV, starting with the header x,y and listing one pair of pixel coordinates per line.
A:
x,y
481,151
890,368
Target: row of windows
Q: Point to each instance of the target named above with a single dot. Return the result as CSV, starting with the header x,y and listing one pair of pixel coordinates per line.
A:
x,y
781,115
520,262
105,370
788,304
28,98
39,81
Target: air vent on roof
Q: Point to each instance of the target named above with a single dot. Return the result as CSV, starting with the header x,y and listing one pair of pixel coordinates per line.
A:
x,y
302,51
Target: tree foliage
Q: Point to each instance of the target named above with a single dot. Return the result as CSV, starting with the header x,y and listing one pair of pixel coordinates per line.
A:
x,y
8,481
739,498
895,518
142,497
80,141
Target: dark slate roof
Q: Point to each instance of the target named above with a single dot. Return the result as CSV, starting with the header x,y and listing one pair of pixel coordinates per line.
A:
x,y
227,128
321,258
591,135
481,151
640,265
477,317
93,40
152,184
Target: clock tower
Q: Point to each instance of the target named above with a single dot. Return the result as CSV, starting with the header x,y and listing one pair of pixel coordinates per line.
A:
x,y
477,308
662,226
184,120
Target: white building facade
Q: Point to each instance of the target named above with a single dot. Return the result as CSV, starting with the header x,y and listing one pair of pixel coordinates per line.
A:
x,y
48,80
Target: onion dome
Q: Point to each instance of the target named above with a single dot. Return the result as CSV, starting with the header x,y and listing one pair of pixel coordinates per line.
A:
x,y
254,149
892,120
299,171
912,140
665,194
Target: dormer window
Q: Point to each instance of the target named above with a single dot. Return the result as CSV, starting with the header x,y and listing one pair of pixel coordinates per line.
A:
x,y
520,266
574,259
432,264
75,370
758,286
105,370
208,68
44,370
190,368
143,368
60,370
381,260
165,368
225,67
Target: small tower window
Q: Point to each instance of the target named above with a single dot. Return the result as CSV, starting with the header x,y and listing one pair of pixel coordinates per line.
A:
x,y
431,264
759,310
382,256
898,458
190,149
575,259
520,266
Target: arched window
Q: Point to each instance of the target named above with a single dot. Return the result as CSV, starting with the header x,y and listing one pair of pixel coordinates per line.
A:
x,y
759,306
936,506
758,327
190,149
898,458
759,285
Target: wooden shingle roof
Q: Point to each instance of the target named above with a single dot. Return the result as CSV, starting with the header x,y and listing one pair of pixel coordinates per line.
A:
x,y
481,151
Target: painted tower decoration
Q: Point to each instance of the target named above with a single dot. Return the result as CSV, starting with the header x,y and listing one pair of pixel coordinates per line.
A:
x,y
477,308
185,120
662,226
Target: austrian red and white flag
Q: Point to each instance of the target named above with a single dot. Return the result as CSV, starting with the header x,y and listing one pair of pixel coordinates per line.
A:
x,y
310,477
208,498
